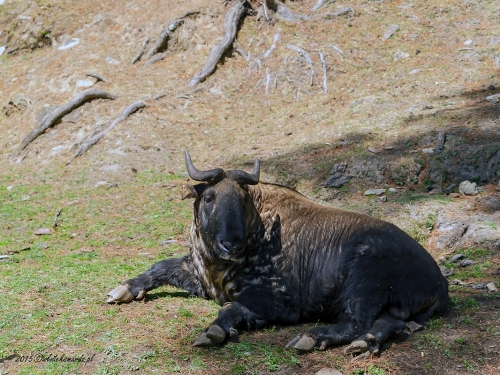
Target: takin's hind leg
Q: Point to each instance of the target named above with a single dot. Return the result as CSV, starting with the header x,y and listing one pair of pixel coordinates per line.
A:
x,y
385,326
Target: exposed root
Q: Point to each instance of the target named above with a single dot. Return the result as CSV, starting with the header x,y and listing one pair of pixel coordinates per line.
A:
x,y
93,139
304,54
98,77
156,58
341,12
231,21
323,64
59,112
241,51
162,42
141,52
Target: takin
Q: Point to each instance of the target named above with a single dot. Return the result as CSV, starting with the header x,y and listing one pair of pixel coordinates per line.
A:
x,y
270,256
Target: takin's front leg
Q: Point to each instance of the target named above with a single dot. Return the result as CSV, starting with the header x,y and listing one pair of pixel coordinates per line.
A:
x,y
232,315
177,272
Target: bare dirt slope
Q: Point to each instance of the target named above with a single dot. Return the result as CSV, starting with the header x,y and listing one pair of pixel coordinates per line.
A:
x,y
390,91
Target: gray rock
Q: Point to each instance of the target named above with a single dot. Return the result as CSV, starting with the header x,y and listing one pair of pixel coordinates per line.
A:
x,y
491,287
112,61
69,44
337,180
456,257
468,188
493,98
338,168
415,71
428,151
466,263
84,83
375,191
42,231
383,198
2,50
390,31
478,286
400,55
328,371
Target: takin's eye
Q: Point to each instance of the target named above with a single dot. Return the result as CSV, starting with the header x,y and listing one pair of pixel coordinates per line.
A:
x,y
207,200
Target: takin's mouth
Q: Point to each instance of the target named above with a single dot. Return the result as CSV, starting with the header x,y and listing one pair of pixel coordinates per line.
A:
x,y
227,254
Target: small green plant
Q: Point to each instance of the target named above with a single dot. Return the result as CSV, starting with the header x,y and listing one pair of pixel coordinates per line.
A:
x,y
467,365
375,370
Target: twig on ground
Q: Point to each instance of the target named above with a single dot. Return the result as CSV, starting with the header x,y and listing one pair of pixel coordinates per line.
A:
x,y
56,218
268,79
264,10
156,58
95,138
162,42
304,54
338,50
61,111
231,21
141,52
98,77
273,46
323,64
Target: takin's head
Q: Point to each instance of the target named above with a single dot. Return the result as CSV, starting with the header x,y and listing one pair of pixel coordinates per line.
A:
x,y
223,208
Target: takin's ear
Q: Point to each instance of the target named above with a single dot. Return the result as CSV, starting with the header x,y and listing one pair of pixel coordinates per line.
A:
x,y
192,191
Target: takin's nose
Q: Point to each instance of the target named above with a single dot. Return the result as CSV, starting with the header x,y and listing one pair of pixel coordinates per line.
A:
x,y
231,247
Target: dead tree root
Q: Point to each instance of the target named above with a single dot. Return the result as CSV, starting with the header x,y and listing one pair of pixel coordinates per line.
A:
x,y
50,120
94,138
141,52
231,21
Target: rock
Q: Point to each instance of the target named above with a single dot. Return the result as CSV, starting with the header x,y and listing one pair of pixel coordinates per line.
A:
x,y
383,198
390,31
42,231
69,44
112,61
328,371
466,263
2,50
493,98
428,151
84,83
468,42
449,188
400,55
101,183
454,195
393,190
437,190
337,181
440,142
468,188
446,272
338,168
375,191
491,287
478,286
372,150
414,326
42,245
456,257
414,71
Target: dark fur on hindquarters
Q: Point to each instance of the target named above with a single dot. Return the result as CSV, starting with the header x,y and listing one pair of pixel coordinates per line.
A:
x,y
269,256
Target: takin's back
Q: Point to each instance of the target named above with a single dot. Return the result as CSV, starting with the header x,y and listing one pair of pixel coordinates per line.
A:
x,y
327,252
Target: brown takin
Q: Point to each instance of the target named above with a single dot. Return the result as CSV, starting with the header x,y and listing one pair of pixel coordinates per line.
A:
x,y
270,256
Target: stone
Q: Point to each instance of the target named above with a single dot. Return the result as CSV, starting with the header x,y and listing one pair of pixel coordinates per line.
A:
x,y
400,55
454,195
373,150
84,83
414,71
468,188
337,181
466,263
2,50
493,98
375,191
393,190
491,287
328,371
69,44
383,198
428,151
456,257
101,183
112,61
42,231
390,31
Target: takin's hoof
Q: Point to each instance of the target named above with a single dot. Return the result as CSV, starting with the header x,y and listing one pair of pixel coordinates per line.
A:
x,y
203,340
216,334
304,343
122,294
357,347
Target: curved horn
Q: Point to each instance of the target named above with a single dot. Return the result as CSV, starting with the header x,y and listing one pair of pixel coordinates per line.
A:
x,y
212,175
244,177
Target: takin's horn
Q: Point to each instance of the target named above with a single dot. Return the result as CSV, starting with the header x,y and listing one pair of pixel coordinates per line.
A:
x,y
211,176
244,177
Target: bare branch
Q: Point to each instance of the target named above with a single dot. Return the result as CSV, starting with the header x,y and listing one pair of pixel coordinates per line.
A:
x,y
231,21
304,54
273,46
50,120
93,139
323,64
162,42
98,77
241,51
156,58
141,52
338,50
